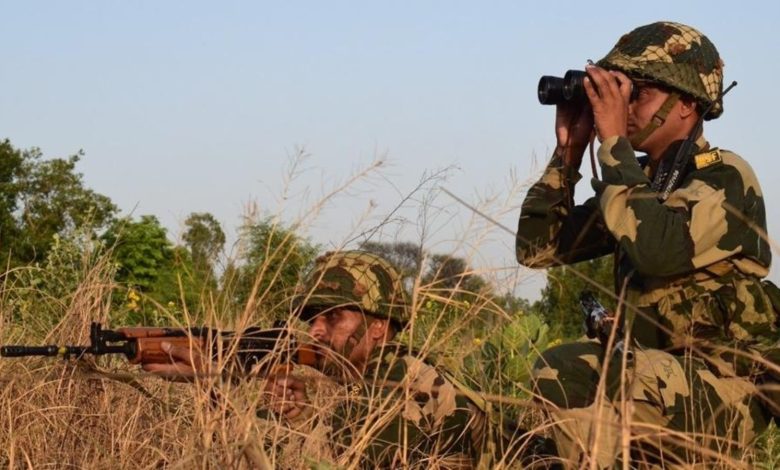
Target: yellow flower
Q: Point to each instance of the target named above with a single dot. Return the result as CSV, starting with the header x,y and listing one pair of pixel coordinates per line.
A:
x,y
171,304
477,341
133,296
554,342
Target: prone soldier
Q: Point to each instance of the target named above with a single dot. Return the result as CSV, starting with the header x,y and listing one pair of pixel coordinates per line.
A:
x,y
398,411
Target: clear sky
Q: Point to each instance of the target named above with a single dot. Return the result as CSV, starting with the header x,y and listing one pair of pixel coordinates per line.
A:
x,y
194,106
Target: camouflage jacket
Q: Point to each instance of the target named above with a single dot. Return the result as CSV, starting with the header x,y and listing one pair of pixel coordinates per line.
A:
x,y
406,413
692,265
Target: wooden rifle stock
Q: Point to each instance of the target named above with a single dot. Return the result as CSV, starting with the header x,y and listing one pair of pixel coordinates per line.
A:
x,y
144,345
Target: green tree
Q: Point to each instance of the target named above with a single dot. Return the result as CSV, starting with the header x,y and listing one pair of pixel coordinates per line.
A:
x,y
141,250
269,267
560,305
443,271
75,269
452,272
10,166
157,275
407,257
453,297
41,199
205,239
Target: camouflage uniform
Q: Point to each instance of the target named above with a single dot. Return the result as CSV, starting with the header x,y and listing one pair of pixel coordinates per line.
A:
x,y
689,267
405,411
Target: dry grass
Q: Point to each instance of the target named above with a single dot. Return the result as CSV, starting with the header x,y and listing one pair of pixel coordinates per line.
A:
x,y
105,413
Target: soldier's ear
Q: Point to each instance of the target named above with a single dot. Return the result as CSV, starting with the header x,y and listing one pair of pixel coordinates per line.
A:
x,y
378,328
688,107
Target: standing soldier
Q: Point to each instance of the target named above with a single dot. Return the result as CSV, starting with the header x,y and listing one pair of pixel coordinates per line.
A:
x,y
690,253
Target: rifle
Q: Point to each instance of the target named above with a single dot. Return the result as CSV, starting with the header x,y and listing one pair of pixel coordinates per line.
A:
x,y
143,345
598,323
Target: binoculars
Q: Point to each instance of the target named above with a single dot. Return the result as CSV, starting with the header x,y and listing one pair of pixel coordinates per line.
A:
x,y
569,89
557,90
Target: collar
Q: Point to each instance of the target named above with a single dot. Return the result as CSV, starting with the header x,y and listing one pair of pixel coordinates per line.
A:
x,y
659,173
385,355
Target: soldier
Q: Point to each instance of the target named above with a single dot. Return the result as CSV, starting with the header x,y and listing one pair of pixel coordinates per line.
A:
x,y
354,304
399,411
689,258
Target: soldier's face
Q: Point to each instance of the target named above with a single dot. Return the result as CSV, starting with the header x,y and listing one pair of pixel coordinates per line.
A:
x,y
338,329
642,105
649,99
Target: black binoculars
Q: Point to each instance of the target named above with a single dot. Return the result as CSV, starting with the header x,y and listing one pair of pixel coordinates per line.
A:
x,y
557,90
569,89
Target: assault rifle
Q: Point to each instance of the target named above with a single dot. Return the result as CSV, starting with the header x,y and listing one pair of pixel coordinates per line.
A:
x,y
599,323
143,345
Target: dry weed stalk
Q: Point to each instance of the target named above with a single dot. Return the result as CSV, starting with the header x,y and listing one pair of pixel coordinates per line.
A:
x,y
105,414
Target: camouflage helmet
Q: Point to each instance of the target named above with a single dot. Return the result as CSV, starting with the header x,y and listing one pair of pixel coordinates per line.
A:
x,y
675,55
355,279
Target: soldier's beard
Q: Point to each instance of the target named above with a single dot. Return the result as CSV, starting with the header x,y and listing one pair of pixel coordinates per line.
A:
x,y
336,362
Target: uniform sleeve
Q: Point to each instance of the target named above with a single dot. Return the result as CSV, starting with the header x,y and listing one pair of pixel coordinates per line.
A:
x,y
692,229
552,230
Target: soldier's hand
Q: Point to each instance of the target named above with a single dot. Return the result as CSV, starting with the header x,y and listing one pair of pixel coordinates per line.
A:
x,y
573,131
186,363
609,93
287,395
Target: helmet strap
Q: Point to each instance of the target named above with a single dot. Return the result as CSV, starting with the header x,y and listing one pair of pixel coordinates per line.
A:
x,y
658,120
357,335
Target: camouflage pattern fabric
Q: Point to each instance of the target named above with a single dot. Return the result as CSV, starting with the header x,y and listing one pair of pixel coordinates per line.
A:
x,y
691,266
674,54
692,263
671,398
353,279
406,413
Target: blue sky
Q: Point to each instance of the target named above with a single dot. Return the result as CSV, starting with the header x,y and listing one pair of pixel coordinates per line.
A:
x,y
196,106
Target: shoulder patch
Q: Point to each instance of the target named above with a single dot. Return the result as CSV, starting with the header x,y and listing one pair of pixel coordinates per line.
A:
x,y
705,159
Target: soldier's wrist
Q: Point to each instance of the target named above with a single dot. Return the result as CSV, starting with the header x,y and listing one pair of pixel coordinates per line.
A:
x,y
570,155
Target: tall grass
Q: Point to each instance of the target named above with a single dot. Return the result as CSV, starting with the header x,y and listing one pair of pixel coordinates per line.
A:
x,y
106,413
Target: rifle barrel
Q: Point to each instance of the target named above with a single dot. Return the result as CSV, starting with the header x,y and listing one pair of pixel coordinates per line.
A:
x,y
20,351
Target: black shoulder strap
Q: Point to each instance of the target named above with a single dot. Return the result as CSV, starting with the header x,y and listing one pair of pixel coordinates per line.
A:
x,y
681,160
